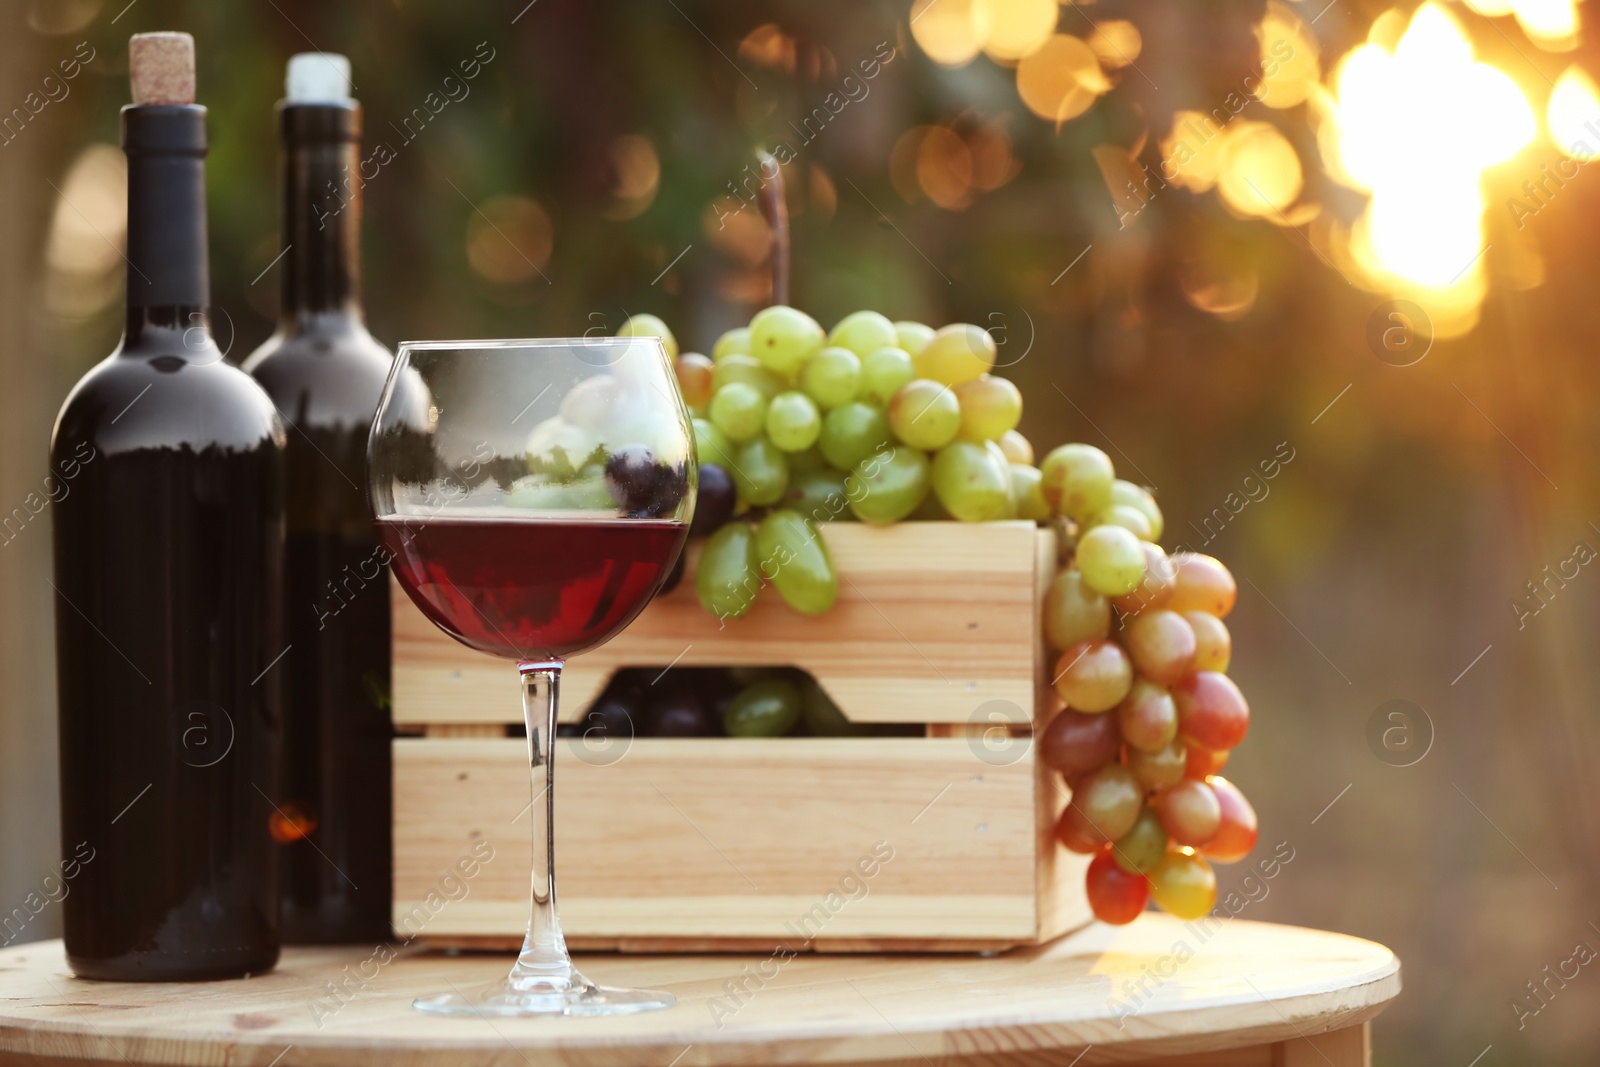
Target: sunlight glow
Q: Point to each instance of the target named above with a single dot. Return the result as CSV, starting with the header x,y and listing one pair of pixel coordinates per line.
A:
x,y
1416,127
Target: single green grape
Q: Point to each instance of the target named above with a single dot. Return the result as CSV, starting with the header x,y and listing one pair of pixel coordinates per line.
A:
x,y
1004,466
852,432
884,373
1016,447
817,494
912,336
765,709
970,484
740,368
1109,800
1137,496
793,421
888,487
760,472
990,408
863,332
1183,884
1073,612
650,326
1027,492
1111,560
823,717
831,377
794,558
739,410
925,414
957,353
736,340
726,579
1141,848
783,338
1077,480
1129,518
711,445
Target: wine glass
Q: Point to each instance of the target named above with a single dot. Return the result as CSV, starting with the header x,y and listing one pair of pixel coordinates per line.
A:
x,y
532,497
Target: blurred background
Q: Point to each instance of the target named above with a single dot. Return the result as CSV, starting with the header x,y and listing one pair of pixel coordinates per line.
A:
x,y
1206,236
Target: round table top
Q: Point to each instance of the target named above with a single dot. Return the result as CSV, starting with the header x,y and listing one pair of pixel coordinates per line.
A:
x,y
1158,987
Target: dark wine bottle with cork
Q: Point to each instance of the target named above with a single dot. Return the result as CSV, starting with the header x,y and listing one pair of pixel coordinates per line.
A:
x,y
326,372
168,580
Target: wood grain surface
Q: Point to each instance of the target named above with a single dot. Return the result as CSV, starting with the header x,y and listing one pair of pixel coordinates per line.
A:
x,y
1275,995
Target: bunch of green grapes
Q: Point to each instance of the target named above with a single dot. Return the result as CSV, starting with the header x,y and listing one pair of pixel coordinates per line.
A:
x,y
873,421
1150,714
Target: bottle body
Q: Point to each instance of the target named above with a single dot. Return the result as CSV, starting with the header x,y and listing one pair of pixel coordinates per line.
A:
x,y
337,729
325,373
168,565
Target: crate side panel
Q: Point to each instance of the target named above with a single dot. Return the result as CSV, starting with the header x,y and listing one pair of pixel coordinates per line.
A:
x,y
933,620
724,838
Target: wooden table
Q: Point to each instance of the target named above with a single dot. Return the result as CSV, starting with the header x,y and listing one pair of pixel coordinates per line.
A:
x,y
1233,993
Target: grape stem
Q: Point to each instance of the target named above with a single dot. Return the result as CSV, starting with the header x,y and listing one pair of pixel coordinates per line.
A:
x,y
776,210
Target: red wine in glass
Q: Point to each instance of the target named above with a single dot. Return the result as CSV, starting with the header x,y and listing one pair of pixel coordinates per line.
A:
x,y
541,588
532,496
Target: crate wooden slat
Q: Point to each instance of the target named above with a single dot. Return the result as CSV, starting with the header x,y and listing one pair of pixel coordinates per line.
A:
x,y
933,620
719,840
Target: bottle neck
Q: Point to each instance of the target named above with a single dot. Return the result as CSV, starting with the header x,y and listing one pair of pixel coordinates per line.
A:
x,y
168,270
321,214
171,329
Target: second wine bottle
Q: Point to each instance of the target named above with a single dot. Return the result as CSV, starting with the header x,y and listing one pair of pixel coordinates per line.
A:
x,y
325,373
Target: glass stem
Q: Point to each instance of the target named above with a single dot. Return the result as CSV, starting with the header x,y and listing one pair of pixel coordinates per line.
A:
x,y
543,961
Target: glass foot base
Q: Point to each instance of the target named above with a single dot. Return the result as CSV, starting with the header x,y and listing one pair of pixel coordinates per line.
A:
x,y
580,998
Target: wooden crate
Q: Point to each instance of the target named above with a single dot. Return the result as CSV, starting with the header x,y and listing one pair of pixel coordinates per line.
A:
x,y
742,844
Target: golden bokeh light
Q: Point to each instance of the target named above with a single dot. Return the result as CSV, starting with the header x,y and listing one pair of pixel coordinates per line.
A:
x,y
637,173
1258,172
944,169
1553,25
1208,287
1387,29
1116,42
1416,127
91,214
993,162
768,46
738,228
1018,28
1572,117
83,252
950,165
1550,24
1062,79
1190,154
509,239
951,32
903,163
1290,58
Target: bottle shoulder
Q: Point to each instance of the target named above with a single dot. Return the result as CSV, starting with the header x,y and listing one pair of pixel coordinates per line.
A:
x,y
132,401
329,379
